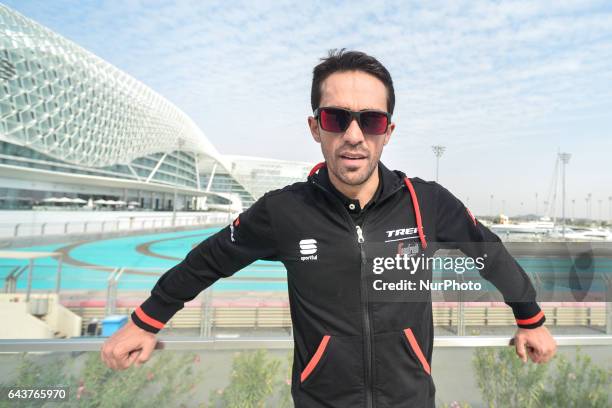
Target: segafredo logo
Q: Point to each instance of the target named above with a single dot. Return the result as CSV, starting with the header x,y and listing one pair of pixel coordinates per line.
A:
x,y
308,247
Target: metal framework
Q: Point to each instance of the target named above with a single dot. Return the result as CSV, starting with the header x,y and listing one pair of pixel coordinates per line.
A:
x,y
65,102
196,343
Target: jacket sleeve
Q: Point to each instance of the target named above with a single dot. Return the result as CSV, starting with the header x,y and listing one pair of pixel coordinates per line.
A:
x,y
461,230
248,238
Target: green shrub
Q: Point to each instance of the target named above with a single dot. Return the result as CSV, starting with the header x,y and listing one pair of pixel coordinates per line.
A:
x,y
167,379
252,381
285,400
505,381
579,384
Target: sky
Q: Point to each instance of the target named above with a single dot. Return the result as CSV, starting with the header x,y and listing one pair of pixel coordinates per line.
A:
x,y
504,86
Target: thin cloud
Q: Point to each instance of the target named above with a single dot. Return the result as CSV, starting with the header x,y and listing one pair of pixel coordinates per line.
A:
x,y
501,84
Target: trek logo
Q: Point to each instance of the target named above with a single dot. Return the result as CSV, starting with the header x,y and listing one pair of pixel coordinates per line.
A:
x,y
308,247
402,233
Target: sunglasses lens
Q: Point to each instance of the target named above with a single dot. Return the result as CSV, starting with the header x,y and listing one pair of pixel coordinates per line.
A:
x,y
373,123
334,120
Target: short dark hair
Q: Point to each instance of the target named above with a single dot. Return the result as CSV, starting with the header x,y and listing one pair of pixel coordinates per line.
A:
x,y
342,60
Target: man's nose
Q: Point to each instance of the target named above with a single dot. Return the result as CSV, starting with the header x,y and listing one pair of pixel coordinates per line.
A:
x,y
353,134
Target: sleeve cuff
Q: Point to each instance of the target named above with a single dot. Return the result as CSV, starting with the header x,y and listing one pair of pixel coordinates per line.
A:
x,y
528,315
153,314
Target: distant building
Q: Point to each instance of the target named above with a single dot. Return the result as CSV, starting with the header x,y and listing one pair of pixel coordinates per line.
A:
x,y
250,177
71,124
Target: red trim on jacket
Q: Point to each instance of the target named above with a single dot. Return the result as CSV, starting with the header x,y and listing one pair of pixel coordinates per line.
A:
x,y
417,350
417,211
147,319
471,215
316,168
531,320
315,358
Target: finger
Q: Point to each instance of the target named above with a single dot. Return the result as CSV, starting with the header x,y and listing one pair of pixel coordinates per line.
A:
x,y
121,352
545,358
534,355
112,362
520,348
147,349
127,358
118,357
132,357
102,357
548,355
107,357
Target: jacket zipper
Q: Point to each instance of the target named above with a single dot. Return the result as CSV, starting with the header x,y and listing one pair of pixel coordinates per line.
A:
x,y
366,315
364,294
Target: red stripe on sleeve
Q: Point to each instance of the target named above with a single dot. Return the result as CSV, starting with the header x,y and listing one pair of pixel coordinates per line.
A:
x,y
147,319
531,320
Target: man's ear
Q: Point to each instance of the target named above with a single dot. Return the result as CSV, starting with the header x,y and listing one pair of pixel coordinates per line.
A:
x,y
388,134
313,124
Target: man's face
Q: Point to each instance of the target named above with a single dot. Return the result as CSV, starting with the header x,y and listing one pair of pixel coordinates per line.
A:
x,y
351,156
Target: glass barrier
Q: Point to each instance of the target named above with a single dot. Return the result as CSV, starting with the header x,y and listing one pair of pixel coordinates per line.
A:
x,y
115,275
249,373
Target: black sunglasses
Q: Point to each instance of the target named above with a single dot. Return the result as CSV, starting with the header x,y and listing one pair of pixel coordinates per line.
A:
x,y
337,120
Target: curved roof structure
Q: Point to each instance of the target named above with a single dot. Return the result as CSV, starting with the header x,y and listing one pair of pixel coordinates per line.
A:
x,y
61,100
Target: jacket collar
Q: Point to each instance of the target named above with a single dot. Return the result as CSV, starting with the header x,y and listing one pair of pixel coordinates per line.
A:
x,y
392,180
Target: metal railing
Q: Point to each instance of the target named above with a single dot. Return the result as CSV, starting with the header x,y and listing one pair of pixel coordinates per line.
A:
x,y
196,343
25,229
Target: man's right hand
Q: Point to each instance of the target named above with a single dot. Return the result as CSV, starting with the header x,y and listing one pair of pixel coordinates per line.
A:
x,y
126,346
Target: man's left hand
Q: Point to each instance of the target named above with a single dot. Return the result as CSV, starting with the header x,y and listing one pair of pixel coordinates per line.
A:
x,y
536,343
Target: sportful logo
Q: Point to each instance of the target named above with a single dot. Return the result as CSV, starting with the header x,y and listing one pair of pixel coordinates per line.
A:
x,y
308,247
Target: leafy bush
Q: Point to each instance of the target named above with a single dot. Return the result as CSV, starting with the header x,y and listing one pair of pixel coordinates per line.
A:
x,y
252,381
582,384
285,400
166,380
505,381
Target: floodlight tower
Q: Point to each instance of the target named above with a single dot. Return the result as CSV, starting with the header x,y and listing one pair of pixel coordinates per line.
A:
x,y
438,151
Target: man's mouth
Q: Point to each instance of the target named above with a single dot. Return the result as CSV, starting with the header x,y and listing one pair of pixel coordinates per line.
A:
x,y
353,156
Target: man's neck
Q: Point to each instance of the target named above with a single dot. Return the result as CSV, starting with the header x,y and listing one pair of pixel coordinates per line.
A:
x,y
362,192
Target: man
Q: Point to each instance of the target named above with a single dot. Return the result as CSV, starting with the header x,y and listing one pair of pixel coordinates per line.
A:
x,y
353,346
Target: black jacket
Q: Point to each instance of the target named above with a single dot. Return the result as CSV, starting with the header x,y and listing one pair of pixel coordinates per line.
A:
x,y
353,346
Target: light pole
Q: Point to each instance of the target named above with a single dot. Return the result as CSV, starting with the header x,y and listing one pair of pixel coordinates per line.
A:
x,y
536,205
586,200
564,157
610,209
438,151
590,200
600,217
